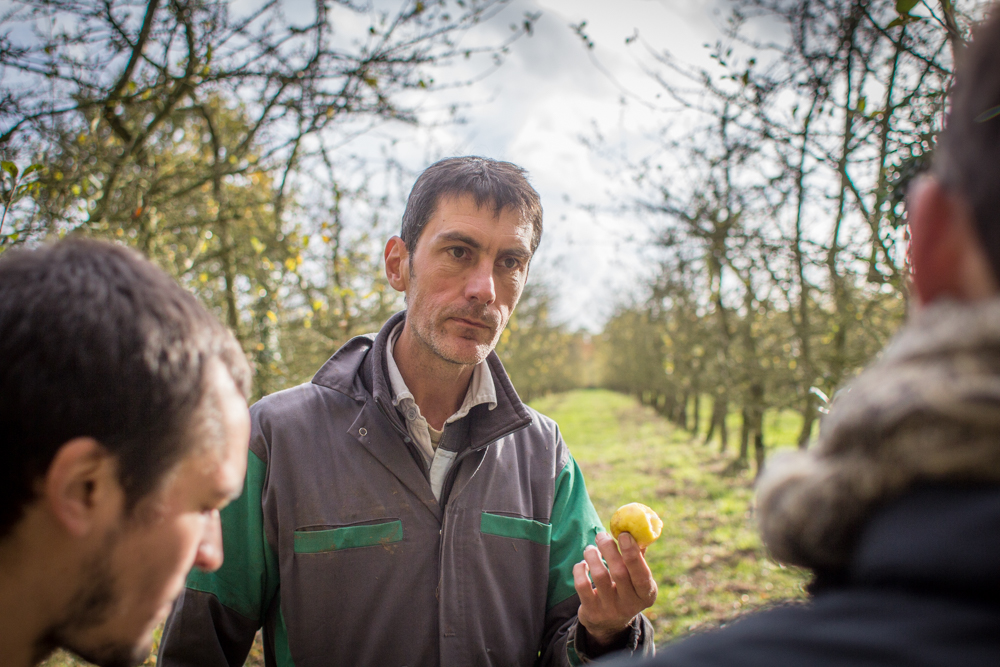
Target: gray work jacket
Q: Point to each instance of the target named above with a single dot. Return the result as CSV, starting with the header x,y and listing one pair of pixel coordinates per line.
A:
x,y
338,548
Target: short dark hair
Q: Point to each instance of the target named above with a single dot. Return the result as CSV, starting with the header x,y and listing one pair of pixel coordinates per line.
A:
x,y
967,157
96,341
490,182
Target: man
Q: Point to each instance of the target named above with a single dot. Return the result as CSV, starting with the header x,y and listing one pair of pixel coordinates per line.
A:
x,y
897,508
405,508
124,429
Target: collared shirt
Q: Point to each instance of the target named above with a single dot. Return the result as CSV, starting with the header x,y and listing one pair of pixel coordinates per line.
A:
x,y
481,390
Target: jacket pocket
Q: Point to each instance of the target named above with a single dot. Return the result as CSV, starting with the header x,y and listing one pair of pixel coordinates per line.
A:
x,y
347,537
515,527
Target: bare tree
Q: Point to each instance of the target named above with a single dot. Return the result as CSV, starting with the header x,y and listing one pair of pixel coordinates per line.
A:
x,y
801,248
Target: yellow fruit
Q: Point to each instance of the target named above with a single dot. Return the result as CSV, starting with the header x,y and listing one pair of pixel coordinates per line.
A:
x,y
638,521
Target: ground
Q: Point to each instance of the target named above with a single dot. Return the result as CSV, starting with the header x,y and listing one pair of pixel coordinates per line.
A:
x,y
709,563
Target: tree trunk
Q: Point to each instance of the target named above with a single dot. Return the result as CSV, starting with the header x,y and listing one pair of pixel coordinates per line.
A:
x,y
745,430
711,423
758,450
667,409
757,423
808,417
718,421
720,416
697,412
682,411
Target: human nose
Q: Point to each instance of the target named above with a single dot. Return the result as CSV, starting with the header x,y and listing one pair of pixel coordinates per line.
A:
x,y
481,286
208,558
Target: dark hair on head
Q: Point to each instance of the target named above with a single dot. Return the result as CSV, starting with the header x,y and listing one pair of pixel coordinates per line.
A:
x,y
96,341
967,158
492,183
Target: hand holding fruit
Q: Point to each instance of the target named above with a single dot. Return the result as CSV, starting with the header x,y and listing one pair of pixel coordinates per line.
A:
x,y
624,587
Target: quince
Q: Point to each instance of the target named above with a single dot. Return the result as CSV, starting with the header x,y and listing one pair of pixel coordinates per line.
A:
x,y
639,521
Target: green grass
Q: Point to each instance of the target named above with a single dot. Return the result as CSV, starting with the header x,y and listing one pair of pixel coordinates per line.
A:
x,y
709,562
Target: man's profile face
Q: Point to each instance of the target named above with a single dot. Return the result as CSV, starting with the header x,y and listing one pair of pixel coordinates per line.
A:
x,y
465,277
128,590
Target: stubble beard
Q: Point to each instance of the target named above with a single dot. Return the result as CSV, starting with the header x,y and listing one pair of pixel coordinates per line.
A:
x,y
432,340
90,607
433,337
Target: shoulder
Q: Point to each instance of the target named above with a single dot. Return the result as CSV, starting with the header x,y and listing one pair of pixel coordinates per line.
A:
x,y
542,426
853,626
293,403
296,414
755,639
543,439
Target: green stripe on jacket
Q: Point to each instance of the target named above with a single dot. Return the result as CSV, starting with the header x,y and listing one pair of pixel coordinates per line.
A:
x,y
248,578
515,527
247,582
575,524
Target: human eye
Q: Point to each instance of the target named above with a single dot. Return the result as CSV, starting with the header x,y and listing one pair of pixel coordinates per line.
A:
x,y
510,263
458,252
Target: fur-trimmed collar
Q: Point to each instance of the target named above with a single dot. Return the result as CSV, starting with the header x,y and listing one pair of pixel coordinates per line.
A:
x,y
927,411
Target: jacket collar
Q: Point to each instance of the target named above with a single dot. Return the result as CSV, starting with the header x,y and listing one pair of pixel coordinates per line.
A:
x,y
358,369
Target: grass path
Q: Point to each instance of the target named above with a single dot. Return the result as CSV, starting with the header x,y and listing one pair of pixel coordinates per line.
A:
x,y
709,563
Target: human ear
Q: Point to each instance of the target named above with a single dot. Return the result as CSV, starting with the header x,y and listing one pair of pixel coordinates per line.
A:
x,y
946,254
81,488
397,264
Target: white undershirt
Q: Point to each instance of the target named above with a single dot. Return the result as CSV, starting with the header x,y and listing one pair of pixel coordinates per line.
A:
x,y
481,390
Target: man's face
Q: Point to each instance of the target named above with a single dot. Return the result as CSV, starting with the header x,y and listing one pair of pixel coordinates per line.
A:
x,y
465,278
132,584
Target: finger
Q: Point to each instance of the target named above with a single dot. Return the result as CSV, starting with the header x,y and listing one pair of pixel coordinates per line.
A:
x,y
619,573
640,576
581,582
598,573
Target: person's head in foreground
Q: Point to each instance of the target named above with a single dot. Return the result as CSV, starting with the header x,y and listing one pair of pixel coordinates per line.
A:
x,y
896,508
124,428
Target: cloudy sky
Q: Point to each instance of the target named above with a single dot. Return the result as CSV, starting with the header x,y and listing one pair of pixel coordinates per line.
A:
x,y
551,93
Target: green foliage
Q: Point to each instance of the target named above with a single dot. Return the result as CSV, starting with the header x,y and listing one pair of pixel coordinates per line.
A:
x,y
633,346
198,202
903,8
540,355
13,188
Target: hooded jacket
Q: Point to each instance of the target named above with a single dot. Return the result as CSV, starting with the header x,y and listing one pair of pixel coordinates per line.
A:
x,y
340,551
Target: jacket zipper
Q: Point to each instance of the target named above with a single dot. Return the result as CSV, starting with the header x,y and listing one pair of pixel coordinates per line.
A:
x,y
449,480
